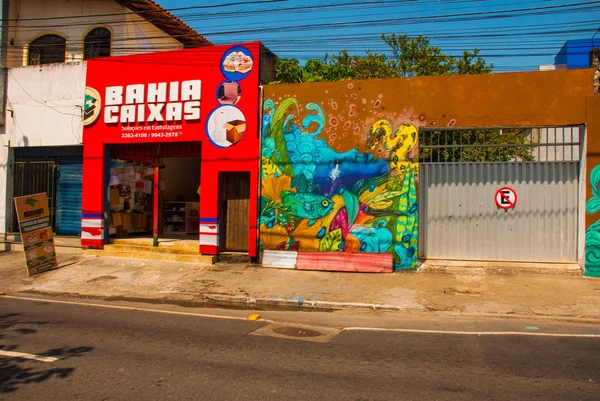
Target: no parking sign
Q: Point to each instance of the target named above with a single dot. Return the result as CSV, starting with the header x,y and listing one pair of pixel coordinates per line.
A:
x,y
506,198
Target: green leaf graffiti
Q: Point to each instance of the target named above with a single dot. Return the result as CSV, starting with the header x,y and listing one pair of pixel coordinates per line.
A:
x,y
592,234
593,205
280,156
387,196
352,204
331,242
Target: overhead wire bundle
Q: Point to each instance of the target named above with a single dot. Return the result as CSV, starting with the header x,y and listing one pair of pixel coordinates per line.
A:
x,y
523,30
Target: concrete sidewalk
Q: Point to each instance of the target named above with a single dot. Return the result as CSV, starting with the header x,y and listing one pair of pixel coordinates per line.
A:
x,y
474,291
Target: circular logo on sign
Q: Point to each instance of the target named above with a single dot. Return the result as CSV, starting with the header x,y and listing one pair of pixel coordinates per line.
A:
x,y
229,92
225,126
91,106
506,198
236,63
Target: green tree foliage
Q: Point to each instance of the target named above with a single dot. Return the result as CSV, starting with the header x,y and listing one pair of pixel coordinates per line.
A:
x,y
338,67
288,70
413,57
409,57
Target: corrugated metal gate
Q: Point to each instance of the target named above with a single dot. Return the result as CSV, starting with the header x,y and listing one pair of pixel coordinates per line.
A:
x,y
68,199
55,170
460,172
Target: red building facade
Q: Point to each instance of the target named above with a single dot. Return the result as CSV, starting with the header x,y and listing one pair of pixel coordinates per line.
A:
x,y
203,100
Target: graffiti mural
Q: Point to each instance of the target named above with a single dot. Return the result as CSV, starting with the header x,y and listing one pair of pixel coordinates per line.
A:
x,y
348,189
592,234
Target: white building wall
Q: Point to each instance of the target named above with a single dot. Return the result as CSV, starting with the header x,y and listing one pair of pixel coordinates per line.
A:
x,y
139,36
44,108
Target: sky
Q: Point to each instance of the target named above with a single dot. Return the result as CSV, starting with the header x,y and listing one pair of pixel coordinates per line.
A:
x,y
514,35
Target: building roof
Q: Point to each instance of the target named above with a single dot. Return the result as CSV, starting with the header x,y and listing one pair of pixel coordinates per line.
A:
x,y
163,19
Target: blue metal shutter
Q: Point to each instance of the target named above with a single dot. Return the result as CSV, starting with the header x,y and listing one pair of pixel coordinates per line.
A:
x,y
68,199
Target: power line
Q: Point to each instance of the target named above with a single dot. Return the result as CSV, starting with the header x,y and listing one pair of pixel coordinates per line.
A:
x,y
307,36
171,10
321,8
412,20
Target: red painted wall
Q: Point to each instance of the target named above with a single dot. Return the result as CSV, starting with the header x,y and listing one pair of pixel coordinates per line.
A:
x,y
212,66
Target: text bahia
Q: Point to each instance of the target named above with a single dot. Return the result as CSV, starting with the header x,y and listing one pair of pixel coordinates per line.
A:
x,y
154,102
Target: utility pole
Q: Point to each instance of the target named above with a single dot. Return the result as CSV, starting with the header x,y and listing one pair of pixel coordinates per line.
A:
x,y
4,17
595,63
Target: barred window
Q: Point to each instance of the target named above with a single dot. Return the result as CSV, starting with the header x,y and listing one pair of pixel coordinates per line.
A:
x,y
499,145
97,43
47,49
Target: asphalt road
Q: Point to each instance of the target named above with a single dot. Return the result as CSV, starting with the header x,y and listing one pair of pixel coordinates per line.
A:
x,y
116,354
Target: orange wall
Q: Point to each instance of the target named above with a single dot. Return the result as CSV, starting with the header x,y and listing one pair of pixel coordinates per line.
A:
x,y
511,99
529,99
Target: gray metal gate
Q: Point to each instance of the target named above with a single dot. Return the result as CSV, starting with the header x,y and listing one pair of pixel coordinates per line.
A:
x,y
31,177
460,172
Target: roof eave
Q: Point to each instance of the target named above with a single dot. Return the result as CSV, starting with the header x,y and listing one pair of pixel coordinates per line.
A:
x,y
165,21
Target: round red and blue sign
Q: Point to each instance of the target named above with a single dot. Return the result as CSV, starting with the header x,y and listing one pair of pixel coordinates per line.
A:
x,y
506,198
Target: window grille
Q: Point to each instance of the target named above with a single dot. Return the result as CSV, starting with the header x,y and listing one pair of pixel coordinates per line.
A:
x,y
97,43
47,49
478,145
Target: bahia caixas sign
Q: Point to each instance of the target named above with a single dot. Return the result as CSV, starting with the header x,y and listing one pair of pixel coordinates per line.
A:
x,y
208,95
165,96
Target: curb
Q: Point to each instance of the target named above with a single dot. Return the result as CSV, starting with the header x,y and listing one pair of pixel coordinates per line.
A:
x,y
514,316
332,305
233,301
568,270
308,304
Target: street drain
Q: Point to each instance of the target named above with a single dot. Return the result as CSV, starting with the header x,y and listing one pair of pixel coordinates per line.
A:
x,y
101,279
297,332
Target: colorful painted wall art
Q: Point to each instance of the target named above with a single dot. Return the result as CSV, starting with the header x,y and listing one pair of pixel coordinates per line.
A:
x,y
592,234
348,189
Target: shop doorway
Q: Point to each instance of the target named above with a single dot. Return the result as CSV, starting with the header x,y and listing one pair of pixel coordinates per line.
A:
x,y
180,201
137,205
236,207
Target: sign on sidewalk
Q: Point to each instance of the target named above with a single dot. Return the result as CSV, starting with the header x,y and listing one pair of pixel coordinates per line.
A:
x,y
36,233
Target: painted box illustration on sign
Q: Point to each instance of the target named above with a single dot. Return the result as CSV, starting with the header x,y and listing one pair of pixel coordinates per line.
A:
x,y
229,93
235,130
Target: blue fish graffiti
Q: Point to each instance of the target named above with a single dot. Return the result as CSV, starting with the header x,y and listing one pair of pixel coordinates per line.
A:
x,y
305,205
